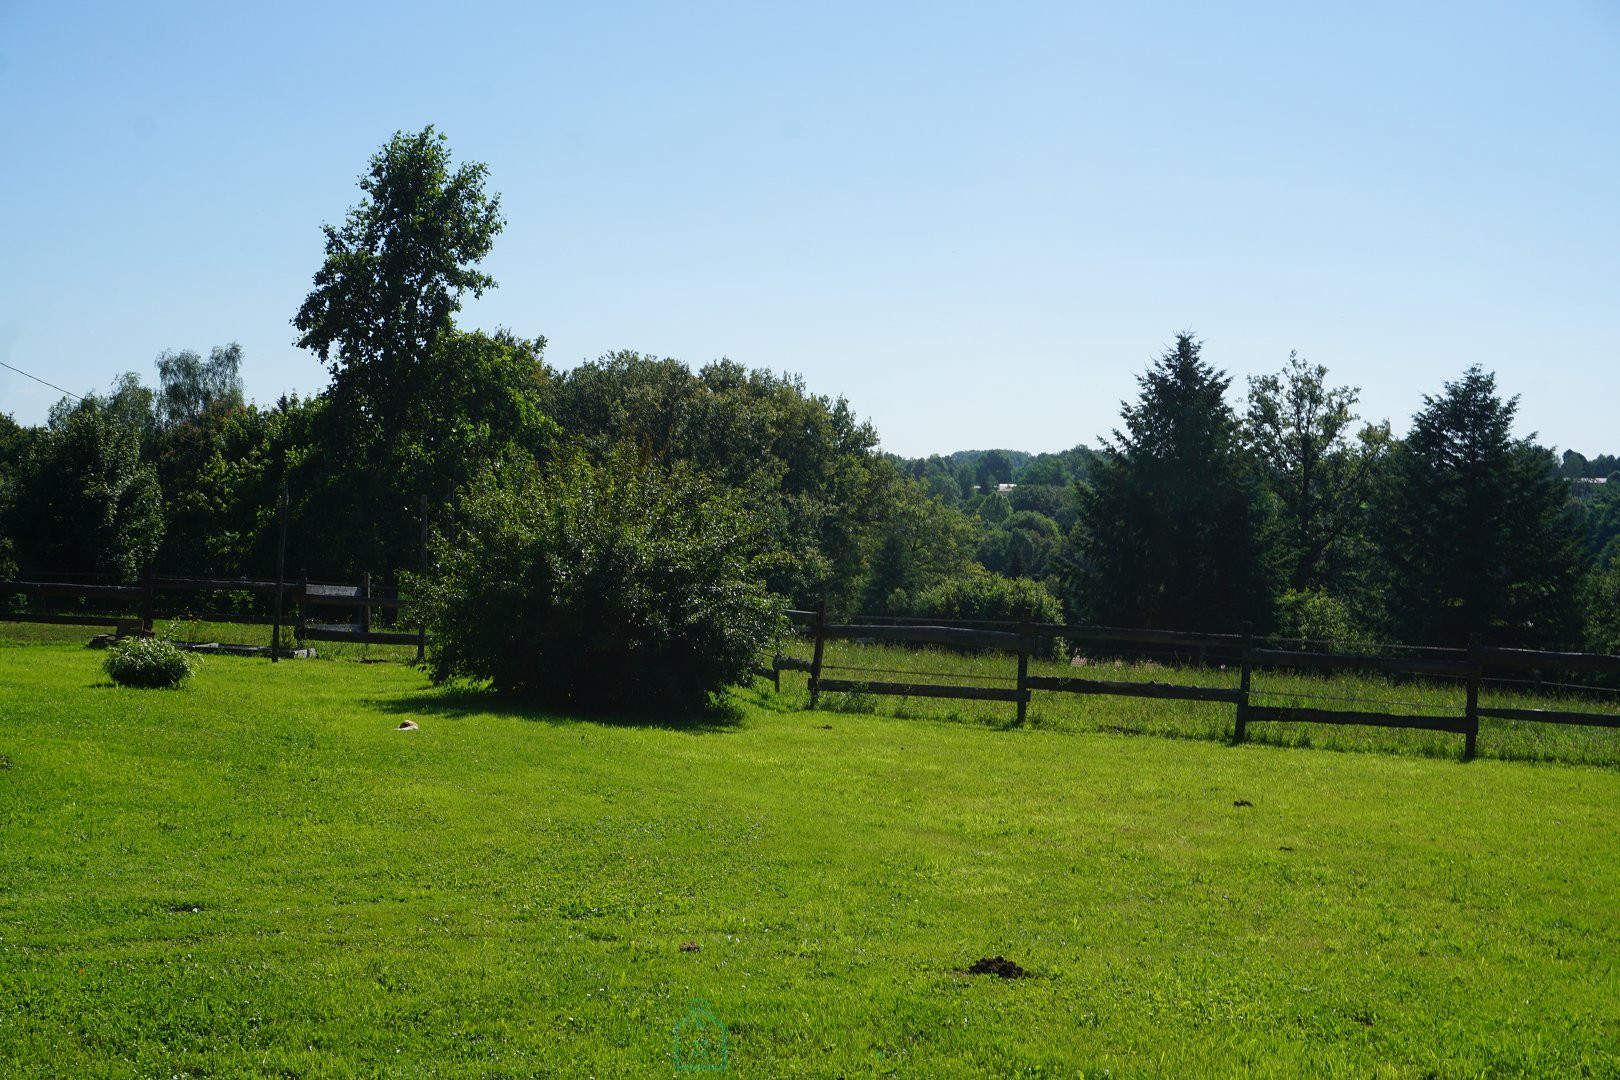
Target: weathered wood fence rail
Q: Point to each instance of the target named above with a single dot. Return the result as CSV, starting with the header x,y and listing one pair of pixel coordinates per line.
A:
x,y
153,599
1026,639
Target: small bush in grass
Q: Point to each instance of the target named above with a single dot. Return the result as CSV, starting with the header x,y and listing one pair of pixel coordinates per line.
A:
x,y
148,663
612,585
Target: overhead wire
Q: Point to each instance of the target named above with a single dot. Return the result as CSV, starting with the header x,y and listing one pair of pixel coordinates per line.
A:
x,y
41,381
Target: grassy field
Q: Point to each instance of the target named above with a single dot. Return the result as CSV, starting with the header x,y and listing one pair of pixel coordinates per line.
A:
x,y
258,876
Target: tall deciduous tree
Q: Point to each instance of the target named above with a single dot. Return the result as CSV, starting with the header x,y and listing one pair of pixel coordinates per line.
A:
x,y
416,406
1302,434
1170,527
1478,534
396,270
189,386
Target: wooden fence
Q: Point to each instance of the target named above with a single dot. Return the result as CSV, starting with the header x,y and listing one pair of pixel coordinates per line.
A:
x,y
1024,639
153,598
157,597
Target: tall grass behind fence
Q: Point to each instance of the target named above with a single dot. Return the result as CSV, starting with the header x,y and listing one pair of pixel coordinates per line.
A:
x,y
1497,702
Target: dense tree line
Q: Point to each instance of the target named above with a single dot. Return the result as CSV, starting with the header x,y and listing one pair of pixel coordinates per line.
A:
x,y
1282,510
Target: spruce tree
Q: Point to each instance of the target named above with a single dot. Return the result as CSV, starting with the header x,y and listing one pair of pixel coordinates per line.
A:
x,y
1478,532
1171,523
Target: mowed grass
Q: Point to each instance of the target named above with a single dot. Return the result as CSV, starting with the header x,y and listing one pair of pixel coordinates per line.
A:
x,y
258,876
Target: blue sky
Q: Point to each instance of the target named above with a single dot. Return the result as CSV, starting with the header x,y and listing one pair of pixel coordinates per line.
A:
x,y
976,222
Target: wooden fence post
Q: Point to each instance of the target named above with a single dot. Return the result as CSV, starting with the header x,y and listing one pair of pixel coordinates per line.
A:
x,y
815,659
281,580
421,618
303,608
1471,710
147,600
365,608
1025,630
1240,728
776,664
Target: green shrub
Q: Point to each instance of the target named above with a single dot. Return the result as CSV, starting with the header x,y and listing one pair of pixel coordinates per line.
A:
x,y
1603,606
604,586
980,595
1314,616
985,596
148,663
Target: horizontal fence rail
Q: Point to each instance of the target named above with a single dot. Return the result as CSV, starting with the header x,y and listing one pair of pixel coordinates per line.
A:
x,y
130,609
1133,689
1467,666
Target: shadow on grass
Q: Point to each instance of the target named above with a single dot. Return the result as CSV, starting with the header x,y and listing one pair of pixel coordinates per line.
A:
x,y
462,701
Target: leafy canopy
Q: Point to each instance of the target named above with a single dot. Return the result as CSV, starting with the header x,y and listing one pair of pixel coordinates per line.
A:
x,y
1320,471
397,267
417,406
189,386
86,498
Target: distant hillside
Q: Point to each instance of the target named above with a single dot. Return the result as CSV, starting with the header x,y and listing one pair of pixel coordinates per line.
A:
x,y
1016,458
1011,466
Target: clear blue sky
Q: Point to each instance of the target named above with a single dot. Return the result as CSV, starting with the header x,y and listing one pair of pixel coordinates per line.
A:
x,y
977,222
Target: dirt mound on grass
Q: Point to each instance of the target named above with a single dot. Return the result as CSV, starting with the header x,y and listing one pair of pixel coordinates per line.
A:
x,y
998,965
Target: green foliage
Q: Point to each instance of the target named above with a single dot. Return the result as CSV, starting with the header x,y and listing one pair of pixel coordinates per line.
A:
x,y
804,464
980,595
1063,469
1027,544
223,471
1299,432
993,469
1060,503
922,541
1600,518
1171,526
1478,533
611,585
1314,615
189,386
416,406
992,507
1602,604
965,473
358,485
13,449
148,663
397,267
85,497
8,509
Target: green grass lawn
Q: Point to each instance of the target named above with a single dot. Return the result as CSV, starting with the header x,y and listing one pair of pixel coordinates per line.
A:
x,y
258,876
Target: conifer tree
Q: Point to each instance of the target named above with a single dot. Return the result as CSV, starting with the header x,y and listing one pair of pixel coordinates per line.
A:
x,y
1478,532
1171,522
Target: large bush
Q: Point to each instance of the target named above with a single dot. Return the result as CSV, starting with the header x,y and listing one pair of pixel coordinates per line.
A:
x,y
612,585
985,596
979,595
147,663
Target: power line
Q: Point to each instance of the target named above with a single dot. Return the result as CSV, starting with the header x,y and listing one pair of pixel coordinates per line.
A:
x,y
42,382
